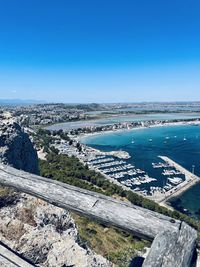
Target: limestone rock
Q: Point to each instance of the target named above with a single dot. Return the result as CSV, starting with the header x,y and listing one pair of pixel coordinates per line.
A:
x,y
16,148
45,234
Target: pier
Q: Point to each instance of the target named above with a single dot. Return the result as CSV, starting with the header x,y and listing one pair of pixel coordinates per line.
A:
x,y
120,173
190,180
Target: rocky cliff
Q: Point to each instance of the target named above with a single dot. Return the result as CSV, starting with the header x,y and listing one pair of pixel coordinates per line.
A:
x,y
40,232
16,148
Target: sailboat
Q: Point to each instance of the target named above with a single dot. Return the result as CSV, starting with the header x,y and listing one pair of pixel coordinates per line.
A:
x,y
184,139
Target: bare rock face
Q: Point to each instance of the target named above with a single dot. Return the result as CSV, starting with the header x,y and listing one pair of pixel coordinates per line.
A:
x,y
16,148
45,234
42,233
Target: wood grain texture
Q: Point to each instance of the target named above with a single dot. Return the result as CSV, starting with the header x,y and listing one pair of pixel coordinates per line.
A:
x,y
142,222
174,241
10,259
172,248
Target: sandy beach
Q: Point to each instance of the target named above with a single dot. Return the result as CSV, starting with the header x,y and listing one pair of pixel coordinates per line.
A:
x,y
82,136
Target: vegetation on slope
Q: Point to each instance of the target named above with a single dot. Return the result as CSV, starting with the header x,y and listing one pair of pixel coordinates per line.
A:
x,y
7,197
70,170
115,245
75,173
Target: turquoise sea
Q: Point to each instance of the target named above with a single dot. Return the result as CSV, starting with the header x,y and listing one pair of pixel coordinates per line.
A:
x,y
180,143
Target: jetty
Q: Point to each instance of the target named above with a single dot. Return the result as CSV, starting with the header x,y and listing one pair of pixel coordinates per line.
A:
x,y
120,172
190,180
174,242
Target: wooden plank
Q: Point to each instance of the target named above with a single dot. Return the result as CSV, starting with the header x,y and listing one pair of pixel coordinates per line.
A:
x,y
141,222
172,248
10,259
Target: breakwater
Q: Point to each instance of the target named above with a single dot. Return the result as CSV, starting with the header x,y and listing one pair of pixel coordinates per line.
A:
x,y
190,180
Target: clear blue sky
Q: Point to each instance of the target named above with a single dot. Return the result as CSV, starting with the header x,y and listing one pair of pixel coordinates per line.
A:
x,y
100,50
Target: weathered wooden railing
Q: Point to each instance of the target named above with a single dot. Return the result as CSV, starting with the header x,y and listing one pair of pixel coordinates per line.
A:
x,y
174,241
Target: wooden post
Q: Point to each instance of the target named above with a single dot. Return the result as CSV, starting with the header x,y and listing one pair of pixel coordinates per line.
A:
x,y
172,248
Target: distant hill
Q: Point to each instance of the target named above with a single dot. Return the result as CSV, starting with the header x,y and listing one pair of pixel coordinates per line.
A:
x,y
14,102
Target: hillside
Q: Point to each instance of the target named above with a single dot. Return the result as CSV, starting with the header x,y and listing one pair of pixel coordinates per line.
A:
x,y
38,231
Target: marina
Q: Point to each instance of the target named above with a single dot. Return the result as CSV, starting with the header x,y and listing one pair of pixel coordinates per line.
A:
x,y
160,178
190,180
134,178
125,173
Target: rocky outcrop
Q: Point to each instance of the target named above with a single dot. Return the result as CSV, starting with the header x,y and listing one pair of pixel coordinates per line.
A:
x,y
42,233
45,235
16,148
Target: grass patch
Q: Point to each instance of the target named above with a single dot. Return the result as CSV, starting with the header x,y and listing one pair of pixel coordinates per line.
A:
x,y
117,246
4,192
8,197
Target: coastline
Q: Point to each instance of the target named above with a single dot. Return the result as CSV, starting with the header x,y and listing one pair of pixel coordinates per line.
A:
x,y
164,124
164,198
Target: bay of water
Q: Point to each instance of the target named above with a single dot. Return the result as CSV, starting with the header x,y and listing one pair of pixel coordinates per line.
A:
x,y
166,141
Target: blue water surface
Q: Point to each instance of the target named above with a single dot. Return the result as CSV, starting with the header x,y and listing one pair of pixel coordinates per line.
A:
x,y
180,143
